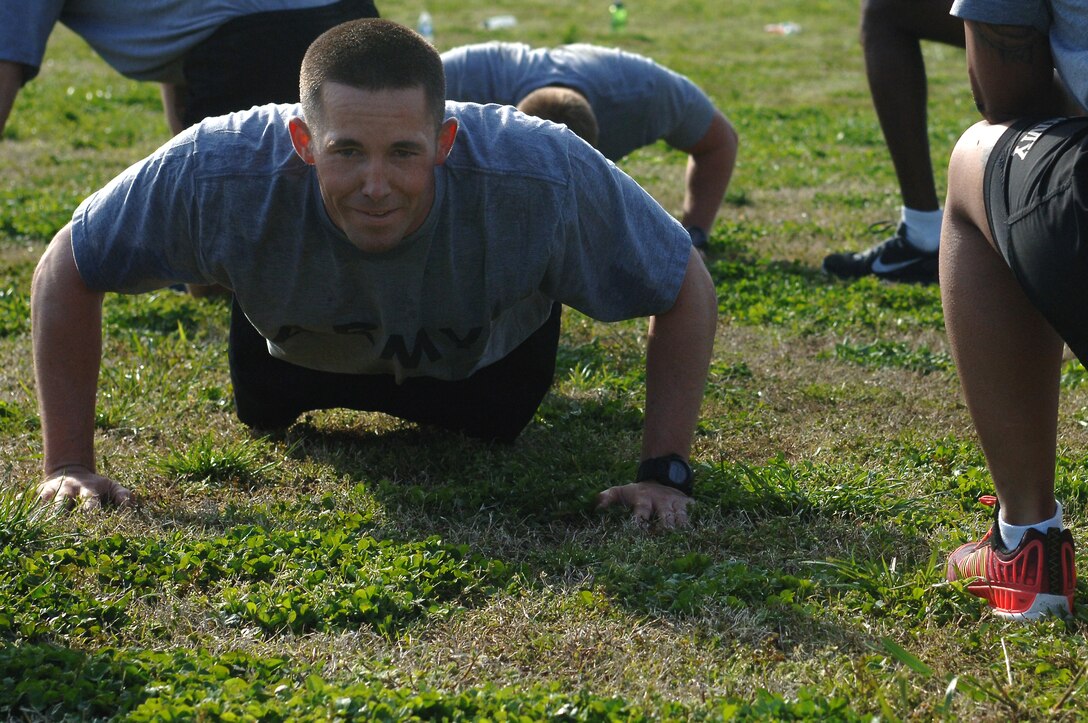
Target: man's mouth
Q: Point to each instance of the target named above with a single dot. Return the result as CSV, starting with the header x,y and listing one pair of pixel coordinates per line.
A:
x,y
372,213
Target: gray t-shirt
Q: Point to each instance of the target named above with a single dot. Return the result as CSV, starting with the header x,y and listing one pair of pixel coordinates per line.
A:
x,y
525,213
1065,22
141,39
637,102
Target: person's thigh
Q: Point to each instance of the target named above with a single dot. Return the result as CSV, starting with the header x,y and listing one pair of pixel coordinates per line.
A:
x,y
1036,193
495,403
268,392
255,59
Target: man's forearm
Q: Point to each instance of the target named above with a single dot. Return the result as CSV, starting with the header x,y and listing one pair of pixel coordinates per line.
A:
x,y
173,105
66,320
710,167
677,359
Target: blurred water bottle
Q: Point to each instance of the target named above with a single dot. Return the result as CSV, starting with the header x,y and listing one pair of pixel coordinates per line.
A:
x,y
619,15
498,22
425,26
786,28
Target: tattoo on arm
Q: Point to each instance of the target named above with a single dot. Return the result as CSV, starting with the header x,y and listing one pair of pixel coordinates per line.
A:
x,y
1013,43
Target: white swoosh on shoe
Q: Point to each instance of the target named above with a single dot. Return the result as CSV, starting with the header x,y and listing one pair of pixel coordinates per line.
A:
x,y
879,267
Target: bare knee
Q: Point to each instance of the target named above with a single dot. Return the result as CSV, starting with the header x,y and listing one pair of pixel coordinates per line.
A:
x,y
966,204
967,164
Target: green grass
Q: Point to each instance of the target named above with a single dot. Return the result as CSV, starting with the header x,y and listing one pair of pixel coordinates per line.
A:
x,y
358,567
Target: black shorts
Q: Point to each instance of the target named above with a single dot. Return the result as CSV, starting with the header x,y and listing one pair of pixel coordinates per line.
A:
x,y
255,59
494,403
1036,192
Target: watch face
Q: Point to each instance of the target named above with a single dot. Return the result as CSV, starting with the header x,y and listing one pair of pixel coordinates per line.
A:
x,y
678,473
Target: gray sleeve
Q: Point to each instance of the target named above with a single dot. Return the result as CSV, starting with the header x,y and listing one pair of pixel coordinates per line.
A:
x,y
622,255
639,102
690,111
1004,12
135,234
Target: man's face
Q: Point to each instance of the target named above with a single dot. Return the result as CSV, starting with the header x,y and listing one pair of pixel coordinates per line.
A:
x,y
375,153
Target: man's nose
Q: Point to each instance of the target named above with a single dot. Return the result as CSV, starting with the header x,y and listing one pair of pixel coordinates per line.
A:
x,y
375,180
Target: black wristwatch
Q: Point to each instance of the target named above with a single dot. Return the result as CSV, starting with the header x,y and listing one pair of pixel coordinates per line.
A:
x,y
698,238
671,470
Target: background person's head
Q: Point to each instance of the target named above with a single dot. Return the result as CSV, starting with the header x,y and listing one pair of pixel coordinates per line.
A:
x,y
371,54
563,105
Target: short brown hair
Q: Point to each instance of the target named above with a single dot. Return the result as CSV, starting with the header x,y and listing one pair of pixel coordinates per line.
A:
x,y
372,54
563,105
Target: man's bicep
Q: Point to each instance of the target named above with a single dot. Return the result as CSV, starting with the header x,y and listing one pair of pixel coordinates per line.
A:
x,y
58,289
1011,71
56,262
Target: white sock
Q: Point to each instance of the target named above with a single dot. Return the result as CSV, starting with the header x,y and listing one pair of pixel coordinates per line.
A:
x,y
923,228
1011,535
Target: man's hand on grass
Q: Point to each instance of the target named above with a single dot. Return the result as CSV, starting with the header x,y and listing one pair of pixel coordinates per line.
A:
x,y
649,501
76,486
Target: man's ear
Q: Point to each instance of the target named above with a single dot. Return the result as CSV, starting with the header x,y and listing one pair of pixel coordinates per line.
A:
x,y
446,135
301,139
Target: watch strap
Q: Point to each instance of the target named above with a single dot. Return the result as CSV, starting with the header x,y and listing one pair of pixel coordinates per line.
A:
x,y
699,238
657,469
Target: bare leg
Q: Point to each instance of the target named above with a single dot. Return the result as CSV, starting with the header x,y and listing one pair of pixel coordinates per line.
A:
x,y
1007,355
891,31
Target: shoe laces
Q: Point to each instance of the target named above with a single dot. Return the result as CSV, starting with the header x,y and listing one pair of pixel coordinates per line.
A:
x,y
882,227
1054,569
994,533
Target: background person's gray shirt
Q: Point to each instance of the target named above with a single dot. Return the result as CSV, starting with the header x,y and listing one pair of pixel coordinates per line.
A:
x,y
637,102
141,39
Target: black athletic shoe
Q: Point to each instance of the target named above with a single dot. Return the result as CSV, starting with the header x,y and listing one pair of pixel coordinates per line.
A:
x,y
894,259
